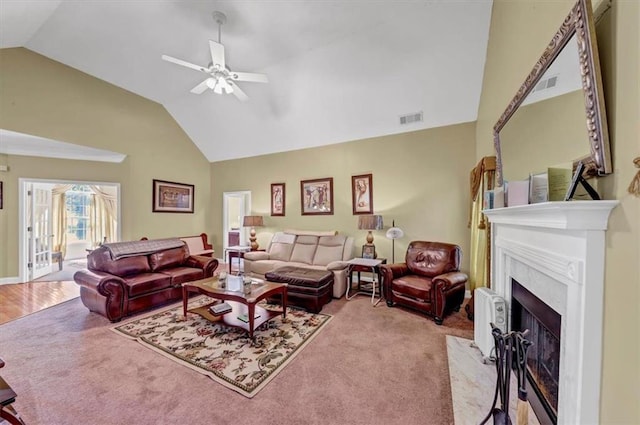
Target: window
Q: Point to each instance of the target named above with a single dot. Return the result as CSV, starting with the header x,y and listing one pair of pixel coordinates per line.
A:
x,y
78,202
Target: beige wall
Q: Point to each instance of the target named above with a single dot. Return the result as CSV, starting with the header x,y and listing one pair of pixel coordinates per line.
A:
x,y
420,180
45,98
519,33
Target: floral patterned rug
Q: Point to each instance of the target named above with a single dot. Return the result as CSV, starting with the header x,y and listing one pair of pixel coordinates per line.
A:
x,y
224,353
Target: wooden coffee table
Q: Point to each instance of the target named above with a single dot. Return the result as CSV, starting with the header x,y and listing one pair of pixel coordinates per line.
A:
x,y
241,303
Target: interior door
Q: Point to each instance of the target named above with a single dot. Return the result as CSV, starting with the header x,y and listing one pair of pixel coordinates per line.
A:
x,y
235,206
39,226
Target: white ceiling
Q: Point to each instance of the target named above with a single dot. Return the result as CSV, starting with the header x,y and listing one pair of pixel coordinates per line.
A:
x,y
338,70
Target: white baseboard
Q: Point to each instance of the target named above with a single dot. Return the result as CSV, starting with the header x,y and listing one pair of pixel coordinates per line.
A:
x,y
467,293
8,280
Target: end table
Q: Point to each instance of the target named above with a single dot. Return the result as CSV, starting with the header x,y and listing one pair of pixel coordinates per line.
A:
x,y
366,265
236,251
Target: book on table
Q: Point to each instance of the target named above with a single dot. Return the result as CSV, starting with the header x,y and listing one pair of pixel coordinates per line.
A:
x,y
245,317
221,308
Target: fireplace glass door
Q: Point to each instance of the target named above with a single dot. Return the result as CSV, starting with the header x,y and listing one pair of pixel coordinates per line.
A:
x,y
543,357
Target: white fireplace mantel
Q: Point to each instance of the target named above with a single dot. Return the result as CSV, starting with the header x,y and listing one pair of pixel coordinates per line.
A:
x,y
578,215
556,250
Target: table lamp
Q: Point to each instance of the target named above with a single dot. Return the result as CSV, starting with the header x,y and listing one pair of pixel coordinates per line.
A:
x,y
370,222
253,221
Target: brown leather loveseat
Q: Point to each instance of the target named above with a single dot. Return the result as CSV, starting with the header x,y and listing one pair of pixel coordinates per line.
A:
x,y
429,280
124,278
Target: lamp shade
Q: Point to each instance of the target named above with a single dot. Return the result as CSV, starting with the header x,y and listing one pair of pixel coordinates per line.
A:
x,y
395,233
370,222
252,221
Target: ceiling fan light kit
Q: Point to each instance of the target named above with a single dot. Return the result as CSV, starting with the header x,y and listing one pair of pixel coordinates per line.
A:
x,y
220,78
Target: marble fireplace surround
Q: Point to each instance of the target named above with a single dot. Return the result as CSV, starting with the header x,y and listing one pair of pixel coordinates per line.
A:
x,y
557,251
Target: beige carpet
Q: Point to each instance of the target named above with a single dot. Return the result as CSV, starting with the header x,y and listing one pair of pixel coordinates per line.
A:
x,y
368,366
226,354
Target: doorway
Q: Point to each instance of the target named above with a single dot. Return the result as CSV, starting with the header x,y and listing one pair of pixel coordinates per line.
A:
x,y
60,220
235,205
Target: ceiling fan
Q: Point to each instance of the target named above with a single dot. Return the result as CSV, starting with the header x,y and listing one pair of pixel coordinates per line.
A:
x,y
220,77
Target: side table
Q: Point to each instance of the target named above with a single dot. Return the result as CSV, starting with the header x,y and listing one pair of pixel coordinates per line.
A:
x,y
236,251
56,256
370,266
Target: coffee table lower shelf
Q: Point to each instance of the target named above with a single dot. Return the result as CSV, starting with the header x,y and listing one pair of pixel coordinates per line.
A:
x,y
261,315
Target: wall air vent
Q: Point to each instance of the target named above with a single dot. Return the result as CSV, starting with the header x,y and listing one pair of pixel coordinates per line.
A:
x,y
411,118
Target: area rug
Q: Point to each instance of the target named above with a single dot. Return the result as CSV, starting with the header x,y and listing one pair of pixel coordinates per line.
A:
x,y
226,354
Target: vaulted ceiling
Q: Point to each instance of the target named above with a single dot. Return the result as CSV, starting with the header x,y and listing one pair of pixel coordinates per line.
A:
x,y
338,70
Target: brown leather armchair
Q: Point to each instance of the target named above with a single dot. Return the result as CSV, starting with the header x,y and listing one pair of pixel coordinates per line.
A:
x,y
429,280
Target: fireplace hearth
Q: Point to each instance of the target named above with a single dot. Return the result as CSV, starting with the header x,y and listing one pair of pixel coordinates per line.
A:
x,y
543,357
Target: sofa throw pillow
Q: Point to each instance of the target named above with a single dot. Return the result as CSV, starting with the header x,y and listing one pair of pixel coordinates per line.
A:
x,y
168,258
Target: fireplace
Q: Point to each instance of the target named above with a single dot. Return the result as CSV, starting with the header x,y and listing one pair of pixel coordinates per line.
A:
x,y
543,357
555,251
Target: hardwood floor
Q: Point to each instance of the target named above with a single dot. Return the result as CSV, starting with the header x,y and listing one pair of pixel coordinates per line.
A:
x,y
20,299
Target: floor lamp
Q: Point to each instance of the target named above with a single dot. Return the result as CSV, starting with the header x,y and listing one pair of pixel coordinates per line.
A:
x,y
394,233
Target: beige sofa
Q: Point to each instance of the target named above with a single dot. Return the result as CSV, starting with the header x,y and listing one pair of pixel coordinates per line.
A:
x,y
308,249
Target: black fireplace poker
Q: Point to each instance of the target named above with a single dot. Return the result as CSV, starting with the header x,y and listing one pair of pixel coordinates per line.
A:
x,y
521,347
506,345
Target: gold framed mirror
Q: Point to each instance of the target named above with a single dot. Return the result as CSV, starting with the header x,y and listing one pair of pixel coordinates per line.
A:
x,y
544,124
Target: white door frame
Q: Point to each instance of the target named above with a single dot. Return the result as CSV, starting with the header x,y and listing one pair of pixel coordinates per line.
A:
x,y
245,207
40,236
23,256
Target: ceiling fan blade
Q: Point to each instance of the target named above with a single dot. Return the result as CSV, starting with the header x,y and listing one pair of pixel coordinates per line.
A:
x,y
237,92
249,76
201,87
217,53
183,63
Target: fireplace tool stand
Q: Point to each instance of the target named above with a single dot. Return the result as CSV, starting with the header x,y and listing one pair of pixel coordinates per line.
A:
x,y
508,344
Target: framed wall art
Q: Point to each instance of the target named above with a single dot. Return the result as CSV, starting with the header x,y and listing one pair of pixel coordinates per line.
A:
x,y
317,196
277,199
172,197
362,194
1,194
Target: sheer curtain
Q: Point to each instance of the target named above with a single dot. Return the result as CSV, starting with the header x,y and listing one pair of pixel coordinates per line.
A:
x,y
103,214
59,215
482,178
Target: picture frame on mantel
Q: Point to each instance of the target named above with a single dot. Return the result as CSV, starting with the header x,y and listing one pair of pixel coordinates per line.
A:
x,y
316,196
173,197
362,194
277,199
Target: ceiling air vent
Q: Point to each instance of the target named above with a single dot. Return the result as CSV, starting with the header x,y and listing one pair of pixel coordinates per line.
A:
x,y
411,118
547,83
